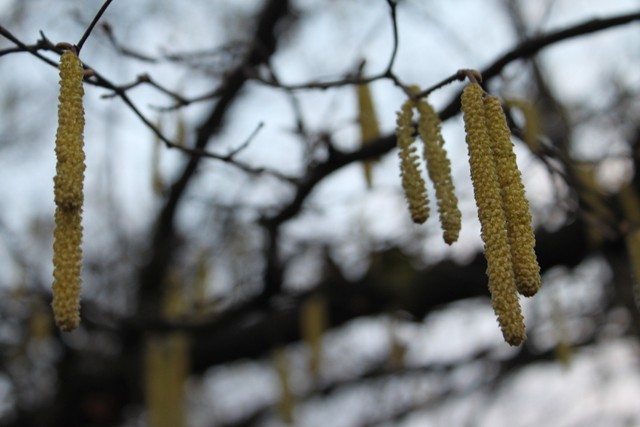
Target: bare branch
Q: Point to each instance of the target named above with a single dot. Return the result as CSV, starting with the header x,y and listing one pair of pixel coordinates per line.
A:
x,y
245,144
394,20
123,49
96,18
534,45
24,48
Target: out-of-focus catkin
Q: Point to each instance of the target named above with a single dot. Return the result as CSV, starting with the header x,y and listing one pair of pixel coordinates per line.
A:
x,y
412,181
202,307
532,126
166,367
286,405
563,350
516,206
68,195
157,183
439,169
369,129
504,296
313,322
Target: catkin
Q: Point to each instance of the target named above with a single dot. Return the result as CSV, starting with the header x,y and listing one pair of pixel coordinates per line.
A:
x,y
532,126
68,195
504,297
369,129
412,181
313,322
439,169
166,367
514,202
286,405
157,183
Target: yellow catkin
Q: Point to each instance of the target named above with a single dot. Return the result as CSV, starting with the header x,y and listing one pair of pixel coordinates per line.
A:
x,y
202,307
532,126
166,369
157,183
286,405
174,301
412,181
439,168
563,350
313,321
398,350
68,195
40,324
504,297
519,223
369,129
630,203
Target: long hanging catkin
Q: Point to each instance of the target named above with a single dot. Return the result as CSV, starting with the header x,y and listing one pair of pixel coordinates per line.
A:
x,y
414,186
68,195
516,207
313,323
369,129
504,297
439,169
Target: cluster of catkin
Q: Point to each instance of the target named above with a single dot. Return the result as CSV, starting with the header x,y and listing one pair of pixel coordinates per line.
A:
x,y
437,164
503,210
68,194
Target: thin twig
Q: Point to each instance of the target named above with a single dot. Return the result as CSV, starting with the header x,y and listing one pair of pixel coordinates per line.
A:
x,y
245,144
86,34
352,79
123,49
141,79
203,153
394,20
32,50
532,46
458,76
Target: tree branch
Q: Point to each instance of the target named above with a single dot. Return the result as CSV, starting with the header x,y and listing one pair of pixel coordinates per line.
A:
x,y
164,241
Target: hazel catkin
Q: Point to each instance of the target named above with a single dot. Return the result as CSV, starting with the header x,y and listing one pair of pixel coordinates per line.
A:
x,y
504,297
514,202
68,194
439,169
412,181
369,129
313,323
